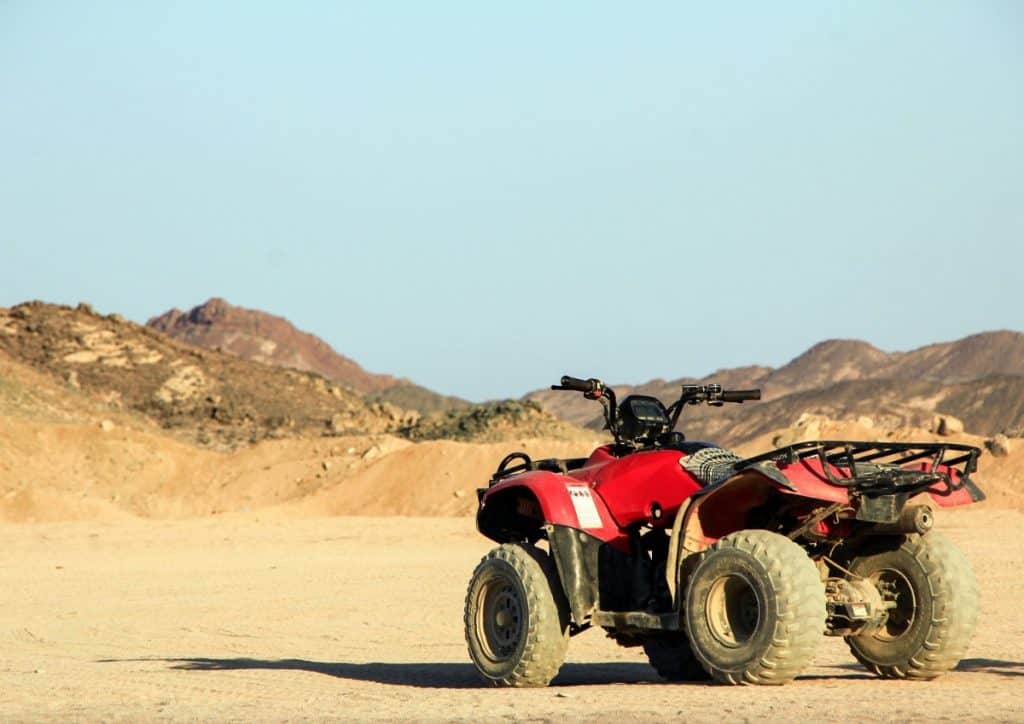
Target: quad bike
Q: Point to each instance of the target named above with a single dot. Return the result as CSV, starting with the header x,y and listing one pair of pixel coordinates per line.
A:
x,y
721,567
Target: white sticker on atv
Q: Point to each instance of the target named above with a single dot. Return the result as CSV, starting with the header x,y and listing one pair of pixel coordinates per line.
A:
x,y
586,511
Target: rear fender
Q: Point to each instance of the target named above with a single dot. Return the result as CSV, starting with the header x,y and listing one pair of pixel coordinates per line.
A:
x,y
808,478
728,507
520,506
961,491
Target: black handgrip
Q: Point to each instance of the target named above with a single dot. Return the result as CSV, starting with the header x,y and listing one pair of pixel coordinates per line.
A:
x,y
575,383
740,395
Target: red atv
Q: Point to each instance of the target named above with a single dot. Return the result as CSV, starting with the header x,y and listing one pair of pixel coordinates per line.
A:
x,y
721,567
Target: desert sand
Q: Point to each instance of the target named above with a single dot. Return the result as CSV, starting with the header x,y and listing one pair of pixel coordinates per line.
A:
x,y
147,579
269,616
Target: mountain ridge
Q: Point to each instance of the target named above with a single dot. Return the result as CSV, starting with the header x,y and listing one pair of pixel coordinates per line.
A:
x,y
264,337
994,360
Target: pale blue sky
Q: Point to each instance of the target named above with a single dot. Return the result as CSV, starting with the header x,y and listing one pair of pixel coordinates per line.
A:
x,y
483,196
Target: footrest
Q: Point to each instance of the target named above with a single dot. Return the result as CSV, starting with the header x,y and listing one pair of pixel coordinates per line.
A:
x,y
640,620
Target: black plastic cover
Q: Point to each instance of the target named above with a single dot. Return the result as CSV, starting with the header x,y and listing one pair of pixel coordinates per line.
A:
x,y
642,418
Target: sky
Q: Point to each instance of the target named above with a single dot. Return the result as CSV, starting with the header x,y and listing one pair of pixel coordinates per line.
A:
x,y
482,197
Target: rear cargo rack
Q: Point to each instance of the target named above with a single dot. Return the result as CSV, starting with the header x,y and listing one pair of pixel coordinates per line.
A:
x,y
881,468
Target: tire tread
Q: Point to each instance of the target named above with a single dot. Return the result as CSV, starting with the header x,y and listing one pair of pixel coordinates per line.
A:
x,y
954,592
800,597
547,631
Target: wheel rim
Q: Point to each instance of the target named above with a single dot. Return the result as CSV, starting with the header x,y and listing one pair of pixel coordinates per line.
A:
x,y
898,594
500,620
732,610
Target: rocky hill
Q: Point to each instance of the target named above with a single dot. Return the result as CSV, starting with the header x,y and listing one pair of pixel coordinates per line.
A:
x,y
207,396
263,337
970,358
59,363
979,379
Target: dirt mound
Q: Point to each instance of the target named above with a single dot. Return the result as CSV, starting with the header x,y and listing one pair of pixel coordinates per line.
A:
x,y
82,471
438,477
262,337
207,396
494,421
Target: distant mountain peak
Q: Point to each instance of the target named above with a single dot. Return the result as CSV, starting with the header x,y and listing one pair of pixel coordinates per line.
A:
x,y
213,309
257,335
263,337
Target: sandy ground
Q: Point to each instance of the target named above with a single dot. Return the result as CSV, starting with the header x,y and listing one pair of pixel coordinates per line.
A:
x,y
254,618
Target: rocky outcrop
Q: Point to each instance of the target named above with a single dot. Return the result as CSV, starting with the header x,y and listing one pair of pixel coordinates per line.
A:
x,y
266,338
207,396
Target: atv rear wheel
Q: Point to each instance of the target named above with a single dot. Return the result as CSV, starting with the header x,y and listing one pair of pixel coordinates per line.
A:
x,y
673,659
755,609
517,620
934,597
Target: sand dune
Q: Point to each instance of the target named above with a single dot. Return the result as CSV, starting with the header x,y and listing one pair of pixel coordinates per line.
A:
x,y
75,471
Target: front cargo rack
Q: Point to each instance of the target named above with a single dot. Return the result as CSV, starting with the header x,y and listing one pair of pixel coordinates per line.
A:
x,y
883,468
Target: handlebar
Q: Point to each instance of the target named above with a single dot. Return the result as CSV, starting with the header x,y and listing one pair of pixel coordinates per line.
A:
x,y
740,395
577,385
710,394
714,395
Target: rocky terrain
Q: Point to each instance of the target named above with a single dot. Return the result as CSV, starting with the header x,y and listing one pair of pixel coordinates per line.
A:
x,y
262,337
103,418
979,379
207,396
203,395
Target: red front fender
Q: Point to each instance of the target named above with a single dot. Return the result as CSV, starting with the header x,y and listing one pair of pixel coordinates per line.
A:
x,y
540,497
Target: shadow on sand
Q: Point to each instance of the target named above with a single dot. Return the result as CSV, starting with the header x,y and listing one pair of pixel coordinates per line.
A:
x,y
464,676
422,675
974,666
992,666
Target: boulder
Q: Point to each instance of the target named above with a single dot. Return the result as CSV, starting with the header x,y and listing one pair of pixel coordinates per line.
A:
x,y
999,446
339,423
946,425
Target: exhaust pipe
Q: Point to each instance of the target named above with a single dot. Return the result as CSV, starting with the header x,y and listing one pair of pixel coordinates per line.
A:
x,y
914,519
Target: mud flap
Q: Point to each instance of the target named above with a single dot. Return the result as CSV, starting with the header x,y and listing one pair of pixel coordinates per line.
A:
x,y
593,574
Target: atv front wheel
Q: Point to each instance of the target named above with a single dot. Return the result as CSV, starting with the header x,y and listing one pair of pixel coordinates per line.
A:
x,y
933,597
755,609
517,620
